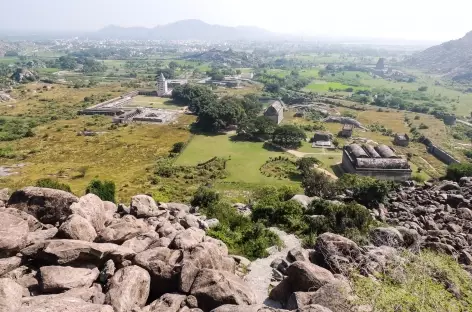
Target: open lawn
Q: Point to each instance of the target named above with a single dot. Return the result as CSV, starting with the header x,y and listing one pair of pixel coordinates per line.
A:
x,y
325,86
125,155
245,158
154,102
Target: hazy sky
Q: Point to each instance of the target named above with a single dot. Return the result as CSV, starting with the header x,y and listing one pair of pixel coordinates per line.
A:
x,y
436,20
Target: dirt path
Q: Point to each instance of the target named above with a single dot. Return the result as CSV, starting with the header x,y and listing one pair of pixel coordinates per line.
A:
x,y
260,275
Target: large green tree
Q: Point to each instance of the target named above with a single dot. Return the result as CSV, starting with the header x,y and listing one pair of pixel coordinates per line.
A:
x,y
195,96
221,114
288,136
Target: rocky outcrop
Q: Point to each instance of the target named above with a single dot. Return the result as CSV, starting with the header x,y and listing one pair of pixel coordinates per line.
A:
x,y
58,278
47,205
77,227
10,295
13,234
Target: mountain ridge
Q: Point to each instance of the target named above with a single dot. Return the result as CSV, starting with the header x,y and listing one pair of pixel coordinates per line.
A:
x,y
451,59
191,29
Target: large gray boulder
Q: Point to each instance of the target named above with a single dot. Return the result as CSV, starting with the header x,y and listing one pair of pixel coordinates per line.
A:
x,y
205,255
47,205
166,303
128,289
9,264
65,251
303,200
40,235
336,295
164,266
91,208
10,295
26,277
121,230
33,223
386,236
335,252
188,238
246,308
79,228
215,288
13,234
301,276
142,241
177,210
61,304
58,278
143,206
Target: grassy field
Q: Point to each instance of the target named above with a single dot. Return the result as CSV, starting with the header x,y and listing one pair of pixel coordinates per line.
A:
x,y
124,155
245,158
325,86
154,102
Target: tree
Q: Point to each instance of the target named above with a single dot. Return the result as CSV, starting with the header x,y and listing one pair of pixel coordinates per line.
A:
x,y
195,96
288,136
105,190
259,126
317,184
178,147
251,104
221,114
205,197
168,73
238,72
456,171
174,65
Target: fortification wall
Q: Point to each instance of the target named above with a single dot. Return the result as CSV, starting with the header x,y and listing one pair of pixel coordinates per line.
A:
x,y
442,155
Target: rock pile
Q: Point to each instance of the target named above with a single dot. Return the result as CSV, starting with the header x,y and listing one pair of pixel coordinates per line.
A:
x,y
59,252
437,217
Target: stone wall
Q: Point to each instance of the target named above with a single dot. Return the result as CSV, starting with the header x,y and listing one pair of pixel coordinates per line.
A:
x,y
442,155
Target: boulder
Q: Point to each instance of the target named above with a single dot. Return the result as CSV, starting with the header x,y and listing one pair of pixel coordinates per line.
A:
x,y
202,256
335,295
335,252
166,303
190,221
245,308
177,210
33,223
79,228
59,303
314,308
58,278
4,194
40,235
164,266
26,277
91,208
280,265
47,205
10,295
383,236
142,241
65,251
91,294
464,213
411,238
108,271
9,264
212,223
215,288
143,206
191,302
110,209
121,230
298,254
222,246
13,234
188,238
128,289
303,200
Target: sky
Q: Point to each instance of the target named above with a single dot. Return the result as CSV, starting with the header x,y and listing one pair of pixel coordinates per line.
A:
x,y
422,20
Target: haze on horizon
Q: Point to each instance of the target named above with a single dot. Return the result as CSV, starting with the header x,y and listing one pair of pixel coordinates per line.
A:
x,y
416,20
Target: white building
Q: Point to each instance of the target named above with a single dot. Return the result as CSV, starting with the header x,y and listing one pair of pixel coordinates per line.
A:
x,y
162,89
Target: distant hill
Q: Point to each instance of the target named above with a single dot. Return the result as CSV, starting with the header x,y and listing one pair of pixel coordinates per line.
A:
x,y
186,30
452,58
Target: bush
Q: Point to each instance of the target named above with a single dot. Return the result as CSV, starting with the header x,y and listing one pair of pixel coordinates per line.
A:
x,y
423,88
177,147
456,171
418,178
339,218
468,154
317,184
366,191
306,164
204,197
423,126
53,184
105,190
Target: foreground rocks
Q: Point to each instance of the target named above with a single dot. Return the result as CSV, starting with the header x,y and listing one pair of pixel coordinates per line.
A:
x,y
63,253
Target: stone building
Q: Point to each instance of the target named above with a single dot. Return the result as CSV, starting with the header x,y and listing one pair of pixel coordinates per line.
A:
x,y
162,88
379,162
346,131
322,139
275,111
401,139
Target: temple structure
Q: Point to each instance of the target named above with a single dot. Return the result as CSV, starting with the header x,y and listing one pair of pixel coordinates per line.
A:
x,y
162,88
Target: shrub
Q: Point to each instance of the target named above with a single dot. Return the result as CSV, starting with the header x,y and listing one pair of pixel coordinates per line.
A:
x,y
317,184
456,171
423,88
418,178
53,184
417,117
105,190
306,164
367,191
204,197
338,217
468,154
177,147
423,126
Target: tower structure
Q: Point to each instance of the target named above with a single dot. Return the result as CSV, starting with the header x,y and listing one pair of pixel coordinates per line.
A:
x,y
162,89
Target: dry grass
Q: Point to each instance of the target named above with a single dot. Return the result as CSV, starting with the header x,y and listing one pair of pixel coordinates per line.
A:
x,y
125,155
